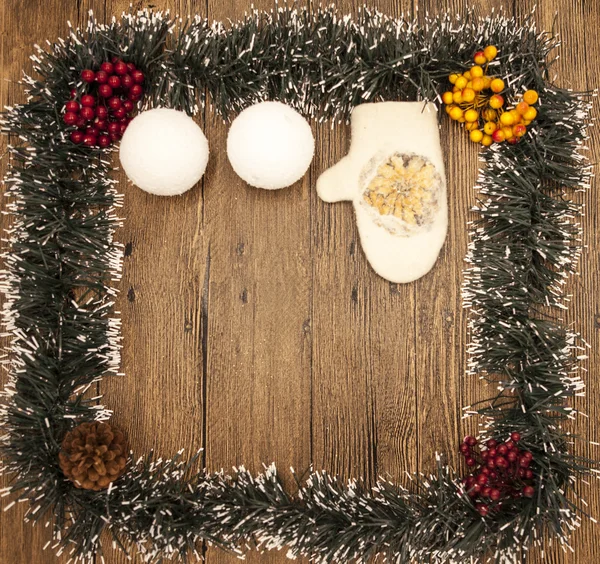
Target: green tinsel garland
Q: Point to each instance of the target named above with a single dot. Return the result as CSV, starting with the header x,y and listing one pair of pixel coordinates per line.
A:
x,y
523,247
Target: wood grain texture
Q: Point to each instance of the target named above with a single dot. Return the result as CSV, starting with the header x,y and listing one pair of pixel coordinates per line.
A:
x,y
255,328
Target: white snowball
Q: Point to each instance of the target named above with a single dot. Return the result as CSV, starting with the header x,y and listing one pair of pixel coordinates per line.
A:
x,y
270,145
164,152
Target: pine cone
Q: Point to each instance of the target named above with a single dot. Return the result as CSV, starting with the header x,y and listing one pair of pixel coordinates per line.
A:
x,y
93,455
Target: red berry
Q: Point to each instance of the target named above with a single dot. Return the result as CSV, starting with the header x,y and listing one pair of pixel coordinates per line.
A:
x,y
92,131
87,113
509,444
136,90
81,121
528,491
114,127
119,113
495,494
528,474
88,100
485,492
88,76
474,490
491,443
469,461
73,93
524,462
482,509
515,437
104,141
485,471
101,77
89,140
115,136
100,124
138,76
76,137
502,450
130,67
490,463
469,440
482,479
114,81
114,59
128,106
501,462
492,452
528,455
72,106
521,472
114,102
512,456
105,91
120,67
102,112
493,475
126,81
107,67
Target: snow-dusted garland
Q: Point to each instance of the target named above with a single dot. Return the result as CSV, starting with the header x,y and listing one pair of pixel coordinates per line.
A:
x,y
63,261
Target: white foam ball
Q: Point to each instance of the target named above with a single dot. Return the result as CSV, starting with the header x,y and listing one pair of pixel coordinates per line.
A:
x,y
270,145
164,152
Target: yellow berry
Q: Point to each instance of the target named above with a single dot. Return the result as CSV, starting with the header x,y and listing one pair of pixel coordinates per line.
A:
x,y
467,75
461,82
497,85
530,114
476,71
526,122
478,84
498,136
453,78
506,119
487,140
479,58
517,117
456,113
471,115
489,127
531,96
522,107
490,52
519,130
457,97
447,97
496,101
476,135
470,126
508,133
461,120
487,81
468,95
490,115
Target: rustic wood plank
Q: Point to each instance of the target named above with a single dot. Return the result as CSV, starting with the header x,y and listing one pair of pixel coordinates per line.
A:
x,y
578,69
160,401
364,376
23,25
443,387
259,324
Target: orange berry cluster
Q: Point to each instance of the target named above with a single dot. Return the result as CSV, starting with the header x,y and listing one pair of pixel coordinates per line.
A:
x,y
476,100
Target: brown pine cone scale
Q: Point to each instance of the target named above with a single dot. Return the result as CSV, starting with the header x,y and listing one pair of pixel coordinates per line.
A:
x,y
93,455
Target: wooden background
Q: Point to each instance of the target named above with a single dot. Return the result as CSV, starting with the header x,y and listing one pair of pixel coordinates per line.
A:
x,y
253,324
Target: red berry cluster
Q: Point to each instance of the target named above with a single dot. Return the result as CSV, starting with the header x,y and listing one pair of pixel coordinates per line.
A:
x,y
102,114
500,472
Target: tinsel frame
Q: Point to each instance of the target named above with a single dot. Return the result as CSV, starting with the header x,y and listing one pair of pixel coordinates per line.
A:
x,y
63,262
